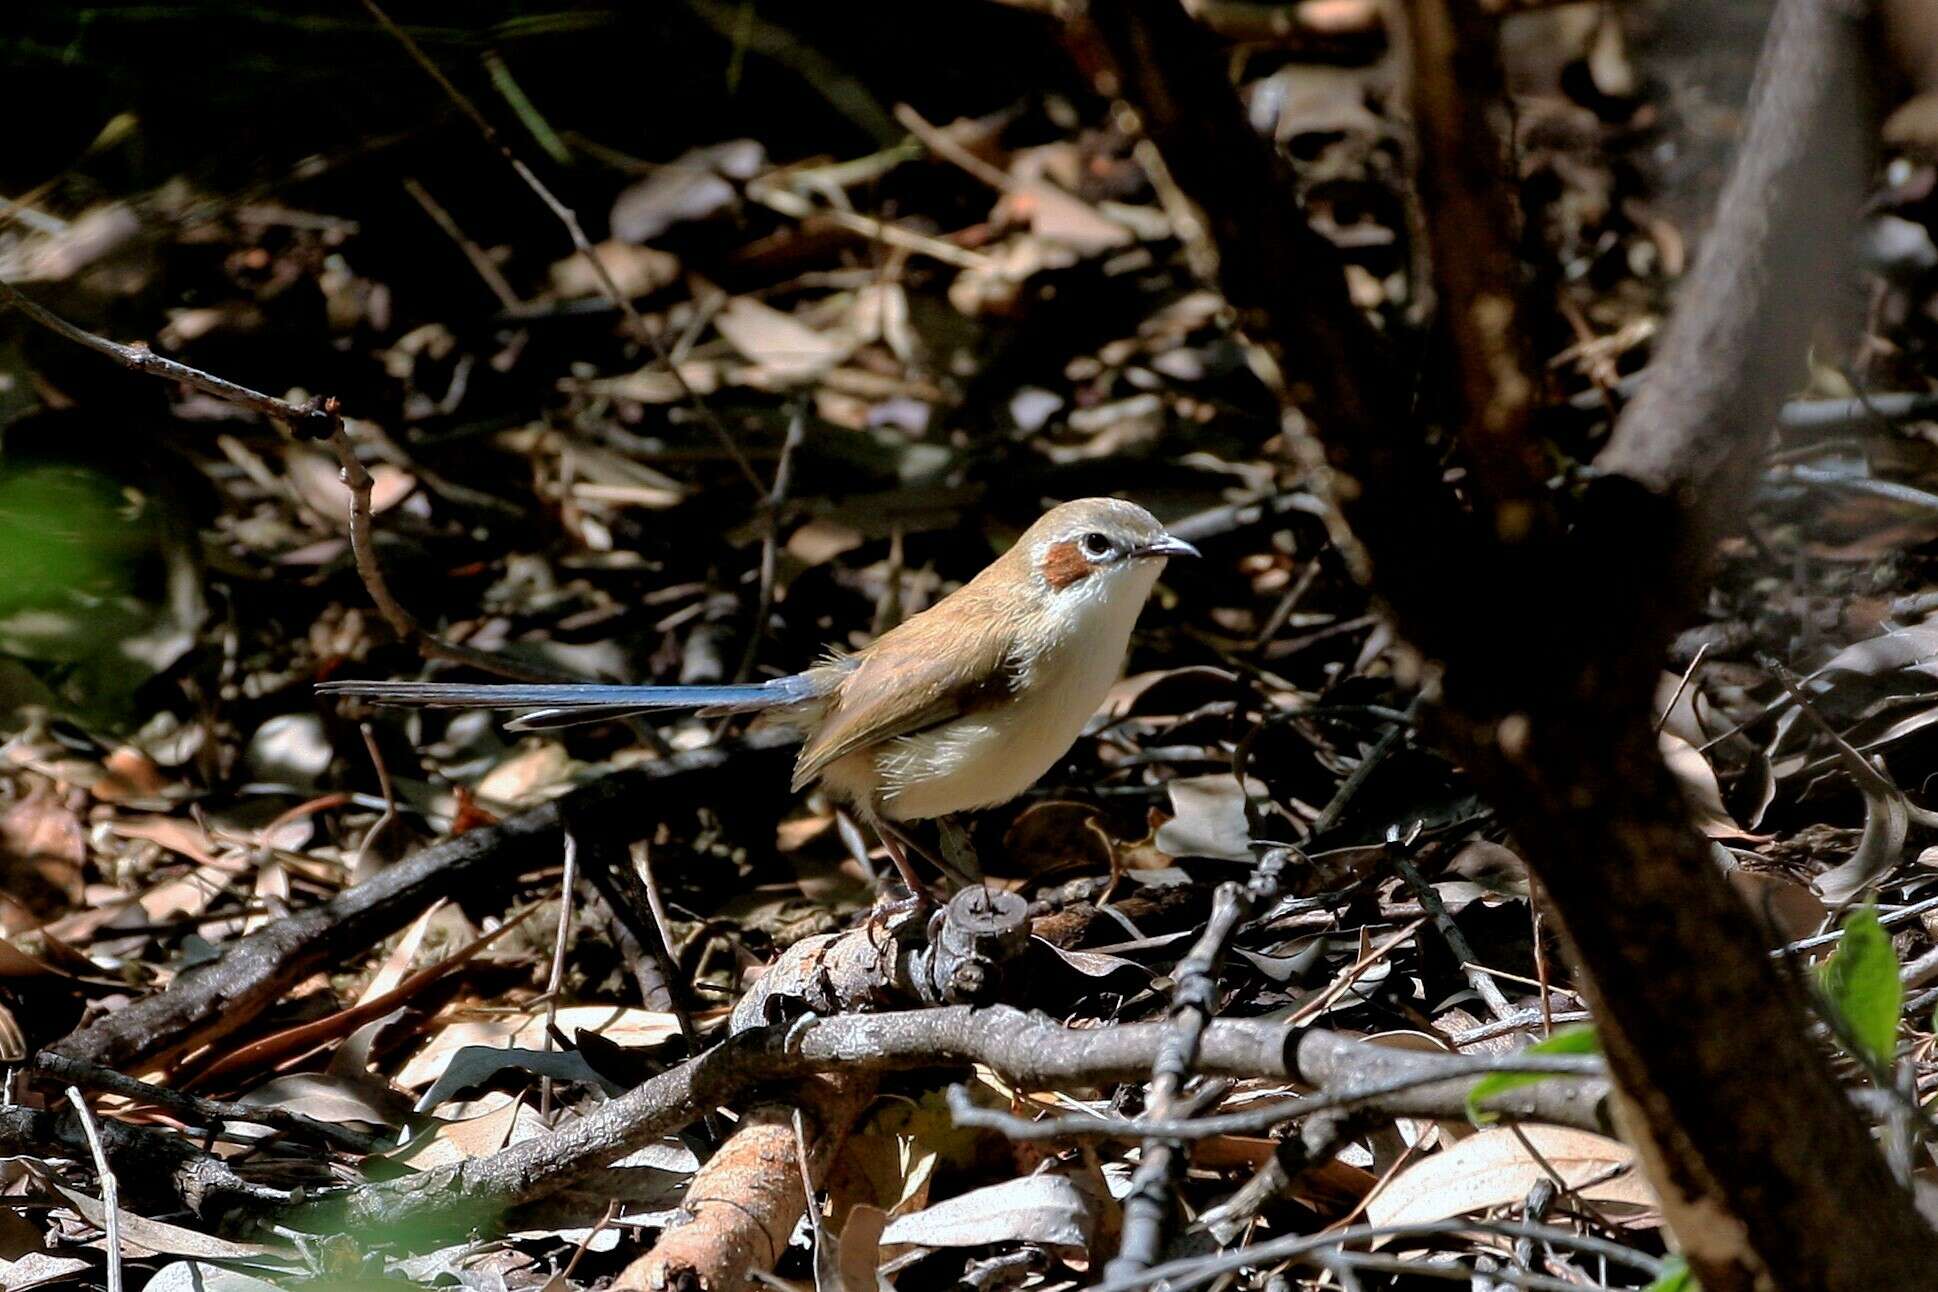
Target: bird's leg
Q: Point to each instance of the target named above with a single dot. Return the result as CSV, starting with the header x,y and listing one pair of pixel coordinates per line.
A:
x,y
917,899
910,843
897,844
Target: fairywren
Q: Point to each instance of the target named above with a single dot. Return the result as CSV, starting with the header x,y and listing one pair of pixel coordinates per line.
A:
x,y
962,706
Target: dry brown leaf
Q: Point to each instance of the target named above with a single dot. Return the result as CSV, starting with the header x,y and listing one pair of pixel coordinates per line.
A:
x,y
42,846
1062,219
296,1041
620,1024
1052,836
655,385
787,350
1791,910
860,1250
187,894
185,838
469,1137
1700,790
635,271
539,767
1208,818
141,1236
132,776
397,964
319,484
1494,1169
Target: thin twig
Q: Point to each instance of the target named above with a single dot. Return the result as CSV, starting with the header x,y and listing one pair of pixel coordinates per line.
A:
x,y
770,540
1320,1003
1681,686
792,204
1266,1116
1181,1274
488,271
1317,1142
940,143
1470,967
1902,915
317,419
390,800
559,943
197,1110
1194,1000
570,220
110,1192
1452,1272
662,946
1519,1022
1356,780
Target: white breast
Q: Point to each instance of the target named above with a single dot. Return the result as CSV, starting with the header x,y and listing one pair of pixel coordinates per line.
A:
x,y
991,756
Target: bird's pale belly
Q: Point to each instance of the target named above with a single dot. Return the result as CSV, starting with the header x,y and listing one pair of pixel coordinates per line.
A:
x,y
967,764
990,757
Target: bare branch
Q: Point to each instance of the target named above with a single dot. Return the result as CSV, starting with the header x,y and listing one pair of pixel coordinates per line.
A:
x,y
1465,198
1548,709
1763,275
213,999
317,419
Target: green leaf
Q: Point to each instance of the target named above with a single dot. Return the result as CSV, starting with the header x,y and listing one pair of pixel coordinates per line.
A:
x,y
1675,1277
1578,1039
1861,984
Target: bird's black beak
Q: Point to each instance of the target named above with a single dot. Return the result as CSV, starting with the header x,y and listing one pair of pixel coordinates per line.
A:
x,y
1165,546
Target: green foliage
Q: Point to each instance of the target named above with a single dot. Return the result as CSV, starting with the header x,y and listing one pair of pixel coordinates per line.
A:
x,y
58,536
1675,1277
1861,986
1578,1039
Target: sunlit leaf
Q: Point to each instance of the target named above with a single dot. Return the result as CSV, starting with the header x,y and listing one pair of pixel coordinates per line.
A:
x,y
1676,1276
57,536
1861,983
1578,1039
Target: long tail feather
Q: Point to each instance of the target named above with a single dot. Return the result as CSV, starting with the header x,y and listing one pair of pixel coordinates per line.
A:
x,y
562,705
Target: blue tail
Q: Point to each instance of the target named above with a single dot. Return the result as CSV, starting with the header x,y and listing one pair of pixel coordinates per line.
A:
x,y
563,705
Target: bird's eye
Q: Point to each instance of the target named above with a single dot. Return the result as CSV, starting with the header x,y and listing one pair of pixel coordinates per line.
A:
x,y
1096,545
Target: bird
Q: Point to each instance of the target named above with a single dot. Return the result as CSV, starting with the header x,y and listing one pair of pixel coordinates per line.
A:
x,y
960,707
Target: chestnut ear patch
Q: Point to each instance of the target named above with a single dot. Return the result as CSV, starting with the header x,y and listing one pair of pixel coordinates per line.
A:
x,y
1064,564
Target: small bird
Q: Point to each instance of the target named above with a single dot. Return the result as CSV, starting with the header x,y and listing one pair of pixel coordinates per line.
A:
x,y
960,707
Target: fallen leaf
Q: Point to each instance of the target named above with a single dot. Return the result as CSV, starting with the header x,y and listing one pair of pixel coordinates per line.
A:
x,y
635,271
534,769
622,1025
848,1263
141,1236
35,1268
1063,219
469,1137
1208,818
1493,1169
690,187
1046,1208
789,351
202,1276
1700,790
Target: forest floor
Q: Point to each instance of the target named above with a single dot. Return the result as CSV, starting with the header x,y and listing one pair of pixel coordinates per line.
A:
x,y
892,317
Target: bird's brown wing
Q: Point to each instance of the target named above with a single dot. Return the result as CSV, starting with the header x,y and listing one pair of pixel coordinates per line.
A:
x,y
909,680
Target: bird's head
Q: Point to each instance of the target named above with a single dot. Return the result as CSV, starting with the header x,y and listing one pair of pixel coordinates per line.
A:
x,y
1098,550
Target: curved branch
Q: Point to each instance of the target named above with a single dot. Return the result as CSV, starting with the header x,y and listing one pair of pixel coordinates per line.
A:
x,y
1764,273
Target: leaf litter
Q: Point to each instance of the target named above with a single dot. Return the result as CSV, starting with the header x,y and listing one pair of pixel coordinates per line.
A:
x,y
988,315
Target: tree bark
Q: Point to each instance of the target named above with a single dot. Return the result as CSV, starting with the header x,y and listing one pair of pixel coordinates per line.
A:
x,y
1738,1117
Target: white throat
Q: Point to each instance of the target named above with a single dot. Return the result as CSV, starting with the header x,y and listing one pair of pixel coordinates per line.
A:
x,y
992,756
